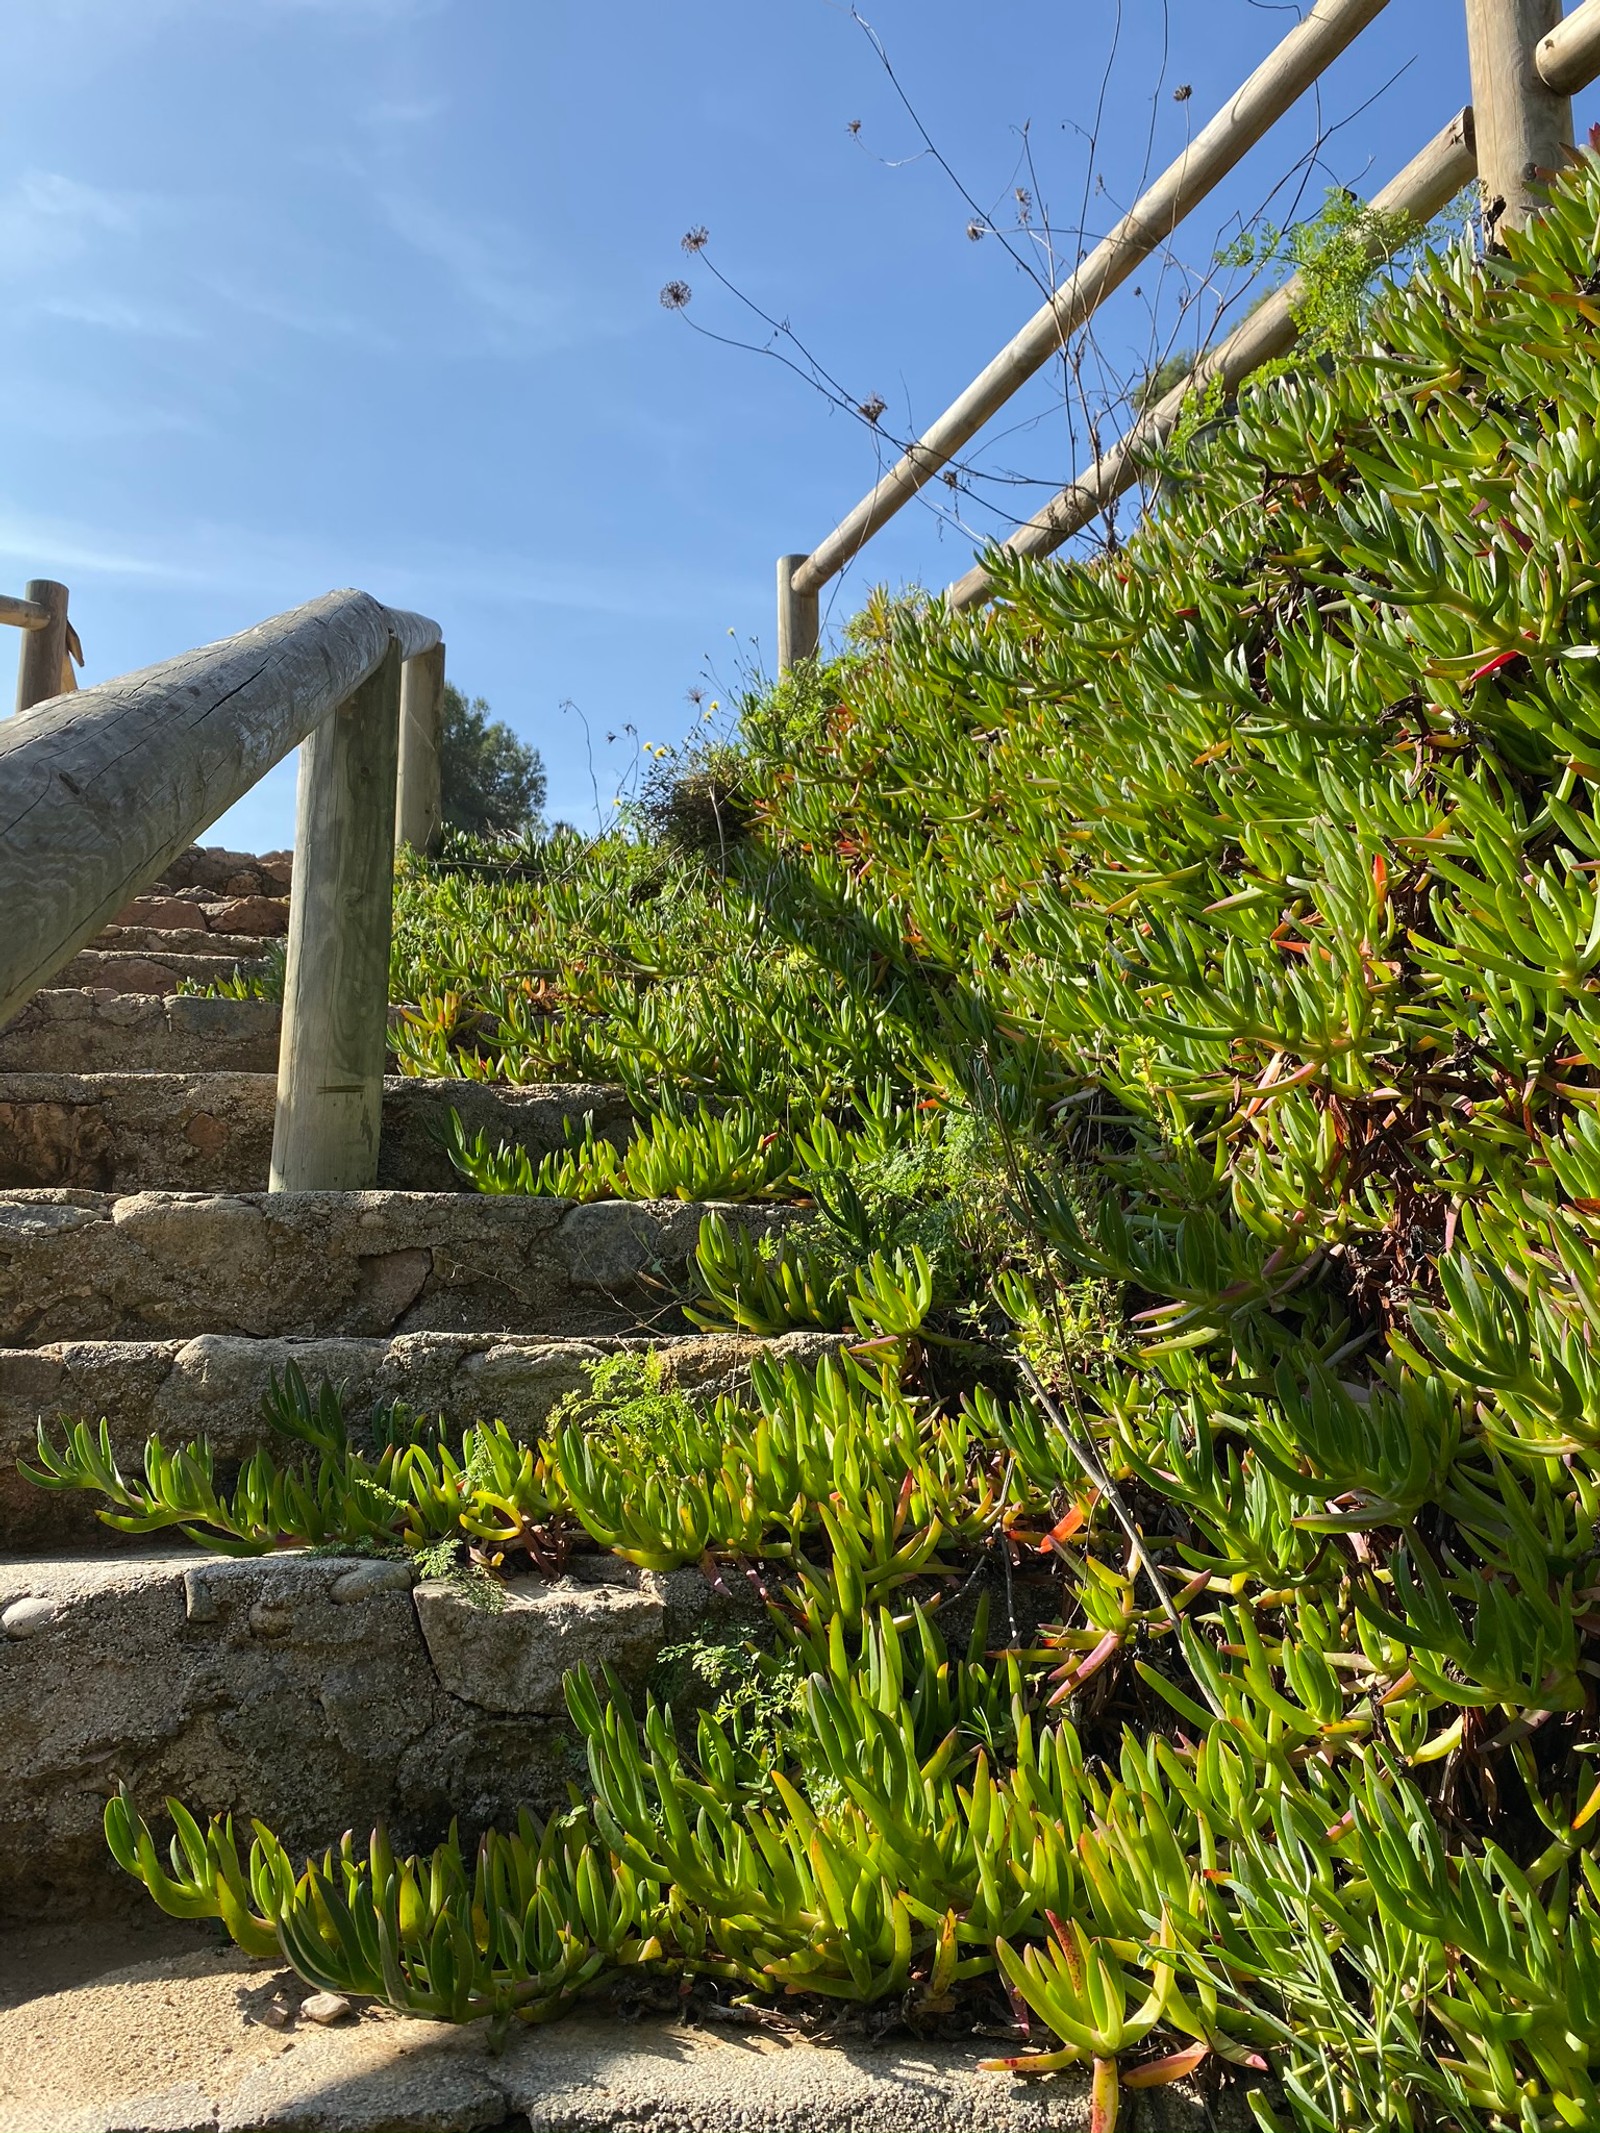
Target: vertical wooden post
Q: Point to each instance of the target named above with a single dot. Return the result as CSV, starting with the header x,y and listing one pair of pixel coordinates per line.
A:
x,y
336,986
1523,128
799,617
44,651
418,812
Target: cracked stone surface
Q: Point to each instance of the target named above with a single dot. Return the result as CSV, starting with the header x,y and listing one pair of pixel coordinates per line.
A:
x,y
296,1687
213,1386
180,2042
78,1031
78,1265
604,1614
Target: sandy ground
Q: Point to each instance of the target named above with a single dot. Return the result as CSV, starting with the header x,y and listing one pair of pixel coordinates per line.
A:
x,y
87,2016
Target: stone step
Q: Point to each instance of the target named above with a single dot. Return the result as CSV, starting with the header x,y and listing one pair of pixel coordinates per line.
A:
x,y
166,940
213,1132
213,1387
133,970
317,1691
196,2039
82,1032
266,917
91,1266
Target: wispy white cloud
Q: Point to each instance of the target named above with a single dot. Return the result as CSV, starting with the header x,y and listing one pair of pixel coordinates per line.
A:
x,y
298,313
112,315
487,264
276,571
376,10
46,545
78,414
401,114
150,15
47,218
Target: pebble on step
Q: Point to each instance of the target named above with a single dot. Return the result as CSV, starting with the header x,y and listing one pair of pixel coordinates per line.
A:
x,y
326,2008
26,1617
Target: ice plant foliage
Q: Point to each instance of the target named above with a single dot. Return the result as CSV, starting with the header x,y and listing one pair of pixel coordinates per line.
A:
x,y
1237,897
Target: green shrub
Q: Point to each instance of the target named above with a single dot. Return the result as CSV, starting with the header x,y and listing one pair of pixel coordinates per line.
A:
x,y
1234,900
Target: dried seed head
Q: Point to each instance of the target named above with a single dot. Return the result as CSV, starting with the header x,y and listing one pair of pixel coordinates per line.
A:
x,y
872,410
675,295
695,240
1183,92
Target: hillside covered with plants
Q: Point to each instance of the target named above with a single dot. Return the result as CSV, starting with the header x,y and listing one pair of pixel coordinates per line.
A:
x,y
1172,999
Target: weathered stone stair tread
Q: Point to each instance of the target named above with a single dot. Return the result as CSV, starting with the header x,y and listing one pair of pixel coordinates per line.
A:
x,y
78,1265
315,1690
78,1031
163,941
136,1132
212,1386
123,970
177,2044
265,917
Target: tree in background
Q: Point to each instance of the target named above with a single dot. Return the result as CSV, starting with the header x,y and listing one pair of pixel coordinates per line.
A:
x,y
493,785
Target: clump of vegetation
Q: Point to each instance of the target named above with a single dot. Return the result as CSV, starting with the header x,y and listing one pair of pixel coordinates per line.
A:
x,y
491,784
1234,902
692,799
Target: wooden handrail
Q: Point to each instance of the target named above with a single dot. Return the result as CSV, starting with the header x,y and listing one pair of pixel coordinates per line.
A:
x,y
101,789
1569,58
1280,80
23,614
1429,182
1526,62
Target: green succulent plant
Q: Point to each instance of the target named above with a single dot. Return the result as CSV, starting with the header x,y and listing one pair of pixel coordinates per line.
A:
x,y
1179,981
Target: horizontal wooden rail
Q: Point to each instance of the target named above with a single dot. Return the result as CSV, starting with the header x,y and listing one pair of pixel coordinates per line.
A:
x,y
23,614
1280,80
1428,183
99,790
1569,58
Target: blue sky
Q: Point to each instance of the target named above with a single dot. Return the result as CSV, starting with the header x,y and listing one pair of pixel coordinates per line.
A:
x,y
306,293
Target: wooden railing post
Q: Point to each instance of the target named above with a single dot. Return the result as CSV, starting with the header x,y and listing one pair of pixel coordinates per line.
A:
x,y
336,985
44,651
418,811
1523,128
799,617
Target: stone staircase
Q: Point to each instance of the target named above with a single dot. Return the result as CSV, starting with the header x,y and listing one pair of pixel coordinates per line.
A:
x,y
147,1276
